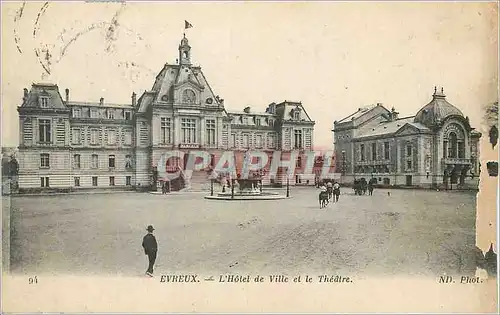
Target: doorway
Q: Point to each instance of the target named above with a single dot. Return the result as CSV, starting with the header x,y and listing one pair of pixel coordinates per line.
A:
x,y
409,180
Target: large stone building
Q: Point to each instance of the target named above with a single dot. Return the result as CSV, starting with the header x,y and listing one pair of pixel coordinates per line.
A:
x,y
70,144
435,148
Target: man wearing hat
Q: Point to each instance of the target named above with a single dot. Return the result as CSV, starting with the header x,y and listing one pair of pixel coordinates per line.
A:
x,y
150,248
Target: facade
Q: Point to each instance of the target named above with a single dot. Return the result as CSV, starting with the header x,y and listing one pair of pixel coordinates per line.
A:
x,y
76,145
435,148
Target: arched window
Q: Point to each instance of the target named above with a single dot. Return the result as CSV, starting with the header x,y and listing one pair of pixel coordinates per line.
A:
x,y
188,96
453,145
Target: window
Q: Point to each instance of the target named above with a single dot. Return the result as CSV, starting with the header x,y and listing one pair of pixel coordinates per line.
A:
x,y
111,114
76,161
94,136
188,128
76,136
128,137
408,150
94,180
408,165
165,125
270,141
245,141
298,163
233,140
452,149
77,113
77,181
128,180
188,96
210,133
445,149
296,114
374,151
362,149
44,130
258,141
461,150
44,160
128,161
271,123
298,139
127,115
111,181
111,161
257,121
44,181
94,113
386,151
94,161
111,136
44,102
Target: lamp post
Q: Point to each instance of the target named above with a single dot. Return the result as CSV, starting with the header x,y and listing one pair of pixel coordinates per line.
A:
x,y
232,188
211,187
287,186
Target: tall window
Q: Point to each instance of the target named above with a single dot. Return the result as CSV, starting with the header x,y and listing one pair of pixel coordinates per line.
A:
x,y
76,136
188,127
77,113
374,151
44,130
296,114
128,180
233,140
77,181
111,136
128,161
44,102
258,141
127,115
111,114
94,113
94,136
461,150
44,160
210,133
299,162
128,137
298,139
270,141
386,151
165,127
408,150
94,180
257,121
408,165
111,181
362,149
452,149
445,149
94,161
44,181
245,141
245,120
111,161
76,161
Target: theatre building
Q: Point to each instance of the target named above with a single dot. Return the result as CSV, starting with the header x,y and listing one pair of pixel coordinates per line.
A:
x,y
435,148
77,145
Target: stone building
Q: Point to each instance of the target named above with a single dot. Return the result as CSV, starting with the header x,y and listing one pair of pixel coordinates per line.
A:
x,y
75,145
435,148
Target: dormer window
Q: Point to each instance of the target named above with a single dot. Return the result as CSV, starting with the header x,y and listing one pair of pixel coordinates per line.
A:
x,y
77,113
44,102
296,114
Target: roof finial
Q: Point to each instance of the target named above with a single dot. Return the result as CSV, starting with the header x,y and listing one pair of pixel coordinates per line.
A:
x,y
442,90
435,89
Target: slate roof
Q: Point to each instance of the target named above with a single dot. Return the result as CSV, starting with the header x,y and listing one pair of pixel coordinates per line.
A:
x,y
389,127
437,110
44,89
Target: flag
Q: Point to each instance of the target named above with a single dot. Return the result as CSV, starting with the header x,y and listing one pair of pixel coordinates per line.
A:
x,y
187,24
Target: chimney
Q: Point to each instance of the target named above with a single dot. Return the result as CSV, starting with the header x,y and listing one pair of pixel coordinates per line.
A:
x,y
101,101
134,99
67,95
247,109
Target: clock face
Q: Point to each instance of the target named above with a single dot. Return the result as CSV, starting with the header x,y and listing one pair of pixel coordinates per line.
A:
x,y
189,96
164,98
210,100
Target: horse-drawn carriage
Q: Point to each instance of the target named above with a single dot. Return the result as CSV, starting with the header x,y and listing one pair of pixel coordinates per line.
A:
x,y
361,186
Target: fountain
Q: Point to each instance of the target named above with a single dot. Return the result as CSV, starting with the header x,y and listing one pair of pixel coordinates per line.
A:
x,y
245,189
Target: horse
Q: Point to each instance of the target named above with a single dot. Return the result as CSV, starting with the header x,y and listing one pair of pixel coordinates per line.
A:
x,y
370,189
330,192
323,199
336,193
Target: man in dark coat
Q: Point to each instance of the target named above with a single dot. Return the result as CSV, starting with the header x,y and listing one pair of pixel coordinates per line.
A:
x,y
150,248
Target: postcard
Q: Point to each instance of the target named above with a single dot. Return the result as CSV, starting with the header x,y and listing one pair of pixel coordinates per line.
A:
x,y
328,157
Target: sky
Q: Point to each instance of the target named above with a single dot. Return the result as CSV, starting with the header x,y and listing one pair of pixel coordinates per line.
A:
x,y
334,57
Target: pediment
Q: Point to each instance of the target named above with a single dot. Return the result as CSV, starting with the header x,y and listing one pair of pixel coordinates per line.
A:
x,y
407,129
189,83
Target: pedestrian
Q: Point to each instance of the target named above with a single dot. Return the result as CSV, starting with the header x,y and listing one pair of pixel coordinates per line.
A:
x,y
150,248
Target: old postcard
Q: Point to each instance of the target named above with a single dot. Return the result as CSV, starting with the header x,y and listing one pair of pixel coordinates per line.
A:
x,y
249,156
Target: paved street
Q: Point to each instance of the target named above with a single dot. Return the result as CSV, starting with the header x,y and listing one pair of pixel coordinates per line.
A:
x,y
408,232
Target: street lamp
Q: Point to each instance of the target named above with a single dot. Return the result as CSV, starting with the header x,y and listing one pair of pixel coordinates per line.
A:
x,y
287,186
211,187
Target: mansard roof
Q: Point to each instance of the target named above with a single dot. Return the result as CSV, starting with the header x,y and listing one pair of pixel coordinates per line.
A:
x,y
31,98
437,110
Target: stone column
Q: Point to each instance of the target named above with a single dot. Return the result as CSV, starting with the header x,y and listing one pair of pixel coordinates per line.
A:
x,y
201,132
176,129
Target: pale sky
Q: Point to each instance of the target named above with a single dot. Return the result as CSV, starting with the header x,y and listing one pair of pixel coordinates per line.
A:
x,y
333,57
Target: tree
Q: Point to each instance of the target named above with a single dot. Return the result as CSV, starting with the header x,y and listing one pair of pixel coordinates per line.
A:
x,y
492,122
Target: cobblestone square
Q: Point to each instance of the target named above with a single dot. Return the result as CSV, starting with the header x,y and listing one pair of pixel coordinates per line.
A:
x,y
407,232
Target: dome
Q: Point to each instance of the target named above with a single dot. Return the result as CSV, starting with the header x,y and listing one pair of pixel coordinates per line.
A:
x,y
437,110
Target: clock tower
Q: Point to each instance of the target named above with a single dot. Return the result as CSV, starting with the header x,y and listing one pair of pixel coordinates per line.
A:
x,y
185,52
